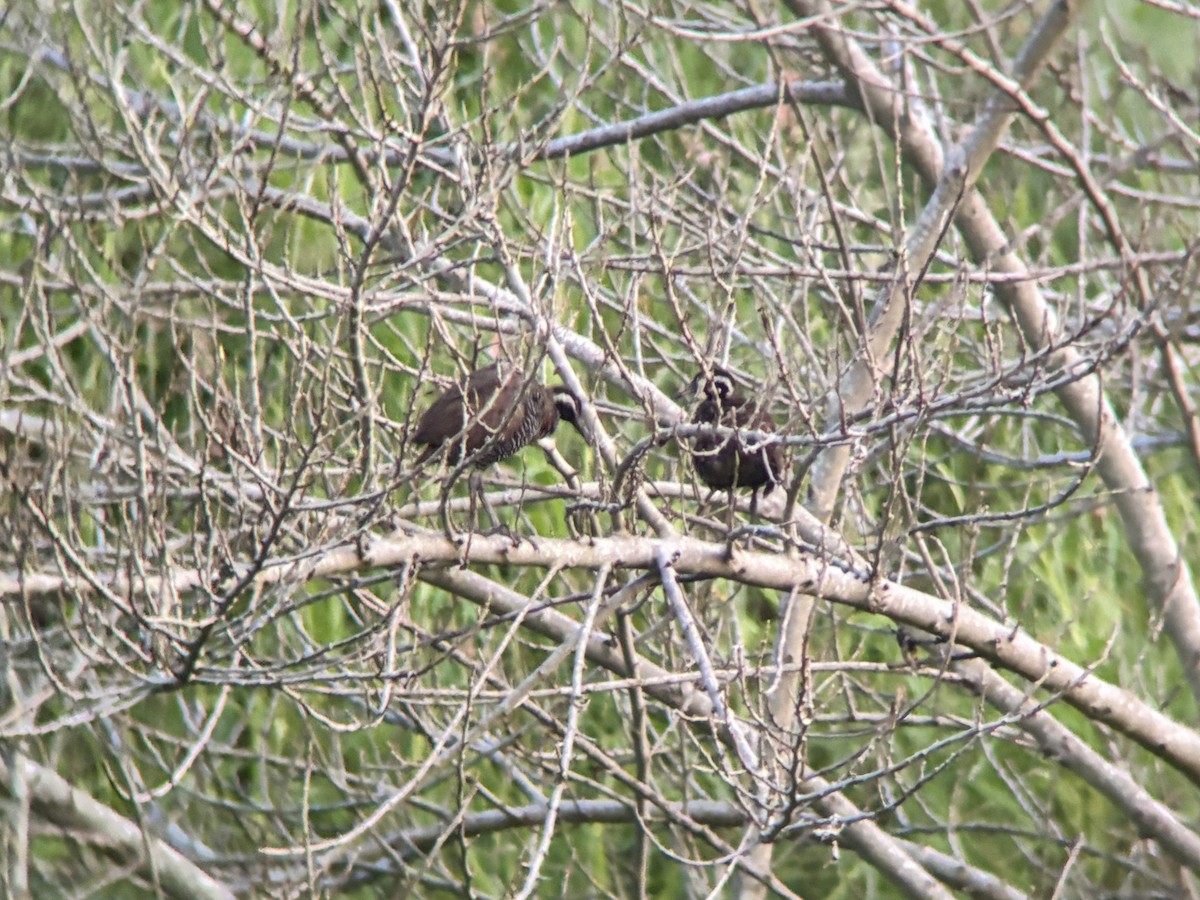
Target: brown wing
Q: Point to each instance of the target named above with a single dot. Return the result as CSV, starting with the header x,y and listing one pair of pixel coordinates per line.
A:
x,y
445,424
724,462
493,417
763,464
712,455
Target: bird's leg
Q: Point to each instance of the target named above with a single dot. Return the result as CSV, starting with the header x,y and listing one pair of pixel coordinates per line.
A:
x,y
474,489
444,513
747,534
478,494
497,526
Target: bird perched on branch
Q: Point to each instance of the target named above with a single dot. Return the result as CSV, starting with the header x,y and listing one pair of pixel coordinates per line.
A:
x,y
723,462
492,416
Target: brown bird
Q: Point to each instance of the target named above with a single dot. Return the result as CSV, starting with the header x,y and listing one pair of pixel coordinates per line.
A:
x,y
492,416
725,461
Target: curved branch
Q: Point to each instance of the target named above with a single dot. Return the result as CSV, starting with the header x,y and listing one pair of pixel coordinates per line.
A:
x,y
69,808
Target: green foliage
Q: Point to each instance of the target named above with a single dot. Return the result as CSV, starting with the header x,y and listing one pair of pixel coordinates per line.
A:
x,y
238,245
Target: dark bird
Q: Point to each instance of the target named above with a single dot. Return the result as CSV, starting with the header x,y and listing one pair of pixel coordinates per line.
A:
x,y
492,416
727,461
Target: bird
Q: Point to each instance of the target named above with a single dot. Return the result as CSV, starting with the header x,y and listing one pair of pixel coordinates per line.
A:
x,y
492,416
724,462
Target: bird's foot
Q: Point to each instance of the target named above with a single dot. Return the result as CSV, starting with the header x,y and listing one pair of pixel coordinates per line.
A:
x,y
746,535
514,536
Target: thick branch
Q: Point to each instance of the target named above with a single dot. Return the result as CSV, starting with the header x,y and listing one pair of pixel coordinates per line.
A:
x,y
73,810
